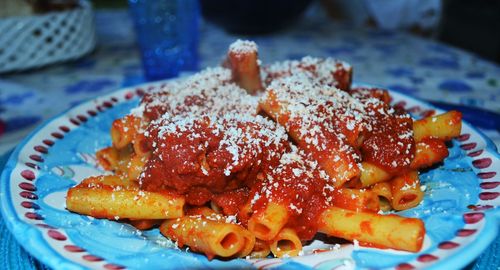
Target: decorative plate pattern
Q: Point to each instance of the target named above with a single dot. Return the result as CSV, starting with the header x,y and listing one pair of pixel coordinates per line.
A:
x,y
460,210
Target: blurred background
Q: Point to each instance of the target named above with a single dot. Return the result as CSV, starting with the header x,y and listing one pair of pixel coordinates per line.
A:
x,y
471,25
438,50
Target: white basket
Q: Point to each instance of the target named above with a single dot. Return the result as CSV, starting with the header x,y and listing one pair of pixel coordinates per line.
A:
x,y
38,40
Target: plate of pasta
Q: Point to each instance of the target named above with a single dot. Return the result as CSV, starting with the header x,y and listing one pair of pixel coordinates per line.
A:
x,y
287,165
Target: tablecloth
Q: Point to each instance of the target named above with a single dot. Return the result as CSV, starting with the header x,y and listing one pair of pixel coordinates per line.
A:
x,y
400,61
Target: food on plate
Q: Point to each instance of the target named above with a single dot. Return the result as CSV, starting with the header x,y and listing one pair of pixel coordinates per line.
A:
x,y
248,159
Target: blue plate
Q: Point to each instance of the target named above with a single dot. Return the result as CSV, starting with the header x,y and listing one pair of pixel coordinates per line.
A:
x,y
460,208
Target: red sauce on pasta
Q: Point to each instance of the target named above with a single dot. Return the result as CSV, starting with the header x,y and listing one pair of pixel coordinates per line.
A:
x,y
296,183
388,142
210,145
203,157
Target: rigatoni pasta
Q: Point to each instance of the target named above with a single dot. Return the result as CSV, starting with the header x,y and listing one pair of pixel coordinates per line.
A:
x,y
251,160
406,192
205,235
384,192
103,201
390,231
372,174
444,126
266,224
243,61
286,243
108,158
124,130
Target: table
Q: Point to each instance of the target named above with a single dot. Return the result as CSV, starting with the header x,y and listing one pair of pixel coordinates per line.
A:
x,y
400,61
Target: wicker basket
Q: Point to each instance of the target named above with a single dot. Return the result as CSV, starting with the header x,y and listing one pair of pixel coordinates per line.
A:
x,y
38,40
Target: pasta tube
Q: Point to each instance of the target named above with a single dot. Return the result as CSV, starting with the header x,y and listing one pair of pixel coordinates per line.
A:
x,y
116,203
107,158
445,126
248,245
243,60
406,191
210,237
211,214
286,243
388,231
428,152
384,193
140,145
136,166
372,174
124,130
267,223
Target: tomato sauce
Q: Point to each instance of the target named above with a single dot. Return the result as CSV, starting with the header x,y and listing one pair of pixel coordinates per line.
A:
x,y
203,158
294,184
388,140
240,164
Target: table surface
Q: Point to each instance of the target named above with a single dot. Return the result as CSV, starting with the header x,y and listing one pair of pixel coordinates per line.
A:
x,y
400,61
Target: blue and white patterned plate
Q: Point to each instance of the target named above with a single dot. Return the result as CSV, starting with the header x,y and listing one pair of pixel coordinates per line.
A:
x,y
460,209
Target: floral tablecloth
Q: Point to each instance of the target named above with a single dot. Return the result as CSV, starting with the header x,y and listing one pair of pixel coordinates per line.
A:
x,y
402,62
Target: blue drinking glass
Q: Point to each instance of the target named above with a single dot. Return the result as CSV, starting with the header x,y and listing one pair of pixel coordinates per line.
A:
x,y
167,33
